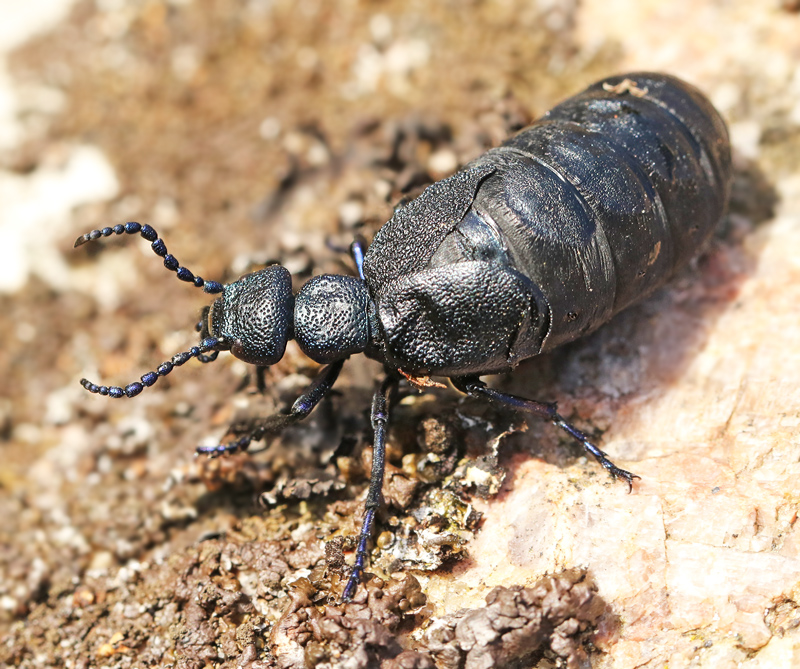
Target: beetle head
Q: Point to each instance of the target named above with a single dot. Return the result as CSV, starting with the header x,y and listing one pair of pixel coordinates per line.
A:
x,y
256,316
253,318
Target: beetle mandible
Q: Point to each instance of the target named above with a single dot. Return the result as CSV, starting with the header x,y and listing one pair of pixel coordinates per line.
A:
x,y
533,244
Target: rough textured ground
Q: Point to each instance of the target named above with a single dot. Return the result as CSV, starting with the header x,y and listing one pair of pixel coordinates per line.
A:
x,y
253,132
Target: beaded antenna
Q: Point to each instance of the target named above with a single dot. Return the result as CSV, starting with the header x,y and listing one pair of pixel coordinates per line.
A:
x,y
207,343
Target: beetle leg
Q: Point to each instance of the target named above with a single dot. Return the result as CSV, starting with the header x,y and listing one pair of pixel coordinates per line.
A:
x,y
202,328
379,417
261,383
302,406
202,324
476,388
357,249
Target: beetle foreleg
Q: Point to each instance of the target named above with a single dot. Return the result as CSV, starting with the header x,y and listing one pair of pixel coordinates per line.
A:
x,y
379,418
302,406
476,388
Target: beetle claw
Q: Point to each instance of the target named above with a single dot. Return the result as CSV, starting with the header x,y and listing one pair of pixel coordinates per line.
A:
x,y
622,475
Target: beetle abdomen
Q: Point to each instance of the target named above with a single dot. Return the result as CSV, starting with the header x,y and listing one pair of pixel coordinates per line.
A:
x,y
596,205
606,196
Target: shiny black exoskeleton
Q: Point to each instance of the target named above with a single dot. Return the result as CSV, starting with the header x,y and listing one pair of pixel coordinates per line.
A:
x,y
535,243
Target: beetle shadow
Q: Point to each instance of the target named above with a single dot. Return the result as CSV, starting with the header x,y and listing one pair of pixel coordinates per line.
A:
x,y
650,345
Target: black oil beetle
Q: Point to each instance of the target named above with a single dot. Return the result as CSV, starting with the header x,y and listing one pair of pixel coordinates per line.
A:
x,y
535,243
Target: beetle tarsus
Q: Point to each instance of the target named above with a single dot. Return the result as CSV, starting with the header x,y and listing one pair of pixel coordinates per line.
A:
x,y
225,449
546,410
601,456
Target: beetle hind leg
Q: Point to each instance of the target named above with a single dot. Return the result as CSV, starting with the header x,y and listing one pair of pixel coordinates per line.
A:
x,y
599,455
476,388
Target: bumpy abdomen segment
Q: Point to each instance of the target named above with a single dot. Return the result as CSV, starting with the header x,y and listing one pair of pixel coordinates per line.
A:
x,y
605,197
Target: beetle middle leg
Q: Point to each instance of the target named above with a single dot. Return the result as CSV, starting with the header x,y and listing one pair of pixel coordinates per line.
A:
x,y
476,388
379,417
302,406
357,251
358,248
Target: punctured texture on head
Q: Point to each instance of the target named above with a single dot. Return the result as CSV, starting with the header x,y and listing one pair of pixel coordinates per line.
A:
x,y
256,314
